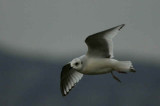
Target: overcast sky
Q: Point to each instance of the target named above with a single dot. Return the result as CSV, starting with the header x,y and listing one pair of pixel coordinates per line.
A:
x,y
58,28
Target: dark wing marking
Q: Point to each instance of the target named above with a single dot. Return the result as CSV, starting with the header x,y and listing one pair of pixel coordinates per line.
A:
x,y
69,78
100,44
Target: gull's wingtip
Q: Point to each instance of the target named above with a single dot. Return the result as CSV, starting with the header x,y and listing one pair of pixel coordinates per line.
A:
x,y
121,26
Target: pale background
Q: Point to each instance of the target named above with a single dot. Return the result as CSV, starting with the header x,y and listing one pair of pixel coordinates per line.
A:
x,y
37,37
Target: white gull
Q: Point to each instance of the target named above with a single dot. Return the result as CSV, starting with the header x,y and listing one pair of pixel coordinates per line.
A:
x,y
97,60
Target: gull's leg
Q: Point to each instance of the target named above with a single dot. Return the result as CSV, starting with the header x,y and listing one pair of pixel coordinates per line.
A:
x,y
116,78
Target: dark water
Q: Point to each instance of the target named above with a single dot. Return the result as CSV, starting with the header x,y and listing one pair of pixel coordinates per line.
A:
x,y
25,82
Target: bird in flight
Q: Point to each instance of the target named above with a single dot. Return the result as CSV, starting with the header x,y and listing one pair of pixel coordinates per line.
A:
x,y
97,60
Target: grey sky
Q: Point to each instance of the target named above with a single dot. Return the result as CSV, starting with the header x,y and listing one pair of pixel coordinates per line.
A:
x,y
58,28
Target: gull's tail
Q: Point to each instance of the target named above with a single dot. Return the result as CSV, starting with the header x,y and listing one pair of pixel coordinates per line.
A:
x,y
124,66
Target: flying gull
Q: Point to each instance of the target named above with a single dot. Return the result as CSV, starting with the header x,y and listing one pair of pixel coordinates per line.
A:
x,y
97,60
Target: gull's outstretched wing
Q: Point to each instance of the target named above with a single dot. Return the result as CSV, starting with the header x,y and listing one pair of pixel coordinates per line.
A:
x,y
69,78
100,44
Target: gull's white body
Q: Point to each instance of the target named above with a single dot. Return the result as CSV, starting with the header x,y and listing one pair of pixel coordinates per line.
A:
x,y
98,66
98,60
95,66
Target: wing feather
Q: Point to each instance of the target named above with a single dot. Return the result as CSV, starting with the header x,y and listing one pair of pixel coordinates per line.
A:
x,y
69,78
100,44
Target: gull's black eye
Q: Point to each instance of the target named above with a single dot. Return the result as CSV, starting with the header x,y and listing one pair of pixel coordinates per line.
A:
x,y
76,64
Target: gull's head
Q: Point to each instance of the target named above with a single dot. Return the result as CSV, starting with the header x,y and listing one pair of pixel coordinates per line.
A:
x,y
76,64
